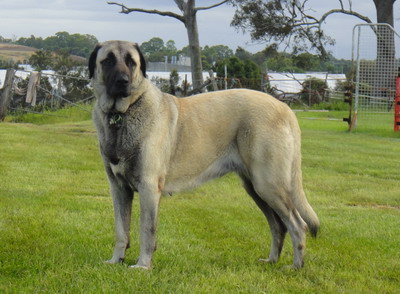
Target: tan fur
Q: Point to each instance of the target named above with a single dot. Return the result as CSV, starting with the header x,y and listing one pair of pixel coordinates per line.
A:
x,y
166,144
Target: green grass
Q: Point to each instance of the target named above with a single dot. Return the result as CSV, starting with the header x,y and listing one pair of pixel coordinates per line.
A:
x,y
56,219
67,114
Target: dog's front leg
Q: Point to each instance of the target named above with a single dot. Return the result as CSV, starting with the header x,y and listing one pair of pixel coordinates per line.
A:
x,y
122,200
149,205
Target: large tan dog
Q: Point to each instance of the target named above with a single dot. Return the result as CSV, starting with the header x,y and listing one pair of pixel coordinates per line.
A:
x,y
155,143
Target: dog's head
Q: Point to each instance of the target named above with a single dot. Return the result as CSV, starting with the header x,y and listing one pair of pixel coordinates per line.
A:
x,y
117,69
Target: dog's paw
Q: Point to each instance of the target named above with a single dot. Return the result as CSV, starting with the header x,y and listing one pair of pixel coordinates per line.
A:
x,y
114,261
268,260
141,267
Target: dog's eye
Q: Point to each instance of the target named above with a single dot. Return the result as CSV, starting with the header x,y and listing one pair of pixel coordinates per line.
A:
x,y
109,61
129,61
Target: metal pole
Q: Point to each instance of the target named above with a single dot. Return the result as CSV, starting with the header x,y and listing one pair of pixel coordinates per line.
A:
x,y
357,91
226,77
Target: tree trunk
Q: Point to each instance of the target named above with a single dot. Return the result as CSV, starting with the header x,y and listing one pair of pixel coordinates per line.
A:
x,y
384,11
194,44
384,79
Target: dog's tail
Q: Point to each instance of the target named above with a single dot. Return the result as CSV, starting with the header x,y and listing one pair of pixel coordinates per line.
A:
x,y
299,198
307,213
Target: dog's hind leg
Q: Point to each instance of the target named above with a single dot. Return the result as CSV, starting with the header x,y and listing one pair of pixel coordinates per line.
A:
x,y
277,198
277,227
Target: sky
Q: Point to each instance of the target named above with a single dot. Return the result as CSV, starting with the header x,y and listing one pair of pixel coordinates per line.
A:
x,y
43,18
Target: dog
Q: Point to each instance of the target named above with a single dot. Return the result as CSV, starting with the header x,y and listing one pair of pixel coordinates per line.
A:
x,y
155,143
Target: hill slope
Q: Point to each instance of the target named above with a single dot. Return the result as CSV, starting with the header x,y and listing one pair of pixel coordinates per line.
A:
x,y
20,54
15,52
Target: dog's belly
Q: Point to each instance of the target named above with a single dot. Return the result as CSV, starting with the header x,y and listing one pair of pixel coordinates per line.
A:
x,y
180,180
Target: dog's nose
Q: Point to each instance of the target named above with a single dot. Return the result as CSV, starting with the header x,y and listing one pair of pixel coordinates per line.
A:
x,y
122,80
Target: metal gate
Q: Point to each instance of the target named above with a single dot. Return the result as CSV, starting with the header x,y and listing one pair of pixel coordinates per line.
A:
x,y
375,70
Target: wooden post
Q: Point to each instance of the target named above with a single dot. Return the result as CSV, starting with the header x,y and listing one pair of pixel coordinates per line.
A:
x,y
5,97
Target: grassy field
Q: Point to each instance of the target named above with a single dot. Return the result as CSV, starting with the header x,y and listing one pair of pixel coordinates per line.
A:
x,y
56,219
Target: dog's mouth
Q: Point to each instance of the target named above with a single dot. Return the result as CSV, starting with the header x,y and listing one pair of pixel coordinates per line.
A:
x,y
117,92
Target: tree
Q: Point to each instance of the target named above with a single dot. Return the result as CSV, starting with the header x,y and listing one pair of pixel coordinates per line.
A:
x,y
212,54
75,44
290,21
155,49
170,47
313,91
63,63
4,40
32,41
241,74
237,68
242,53
173,82
41,60
306,61
155,44
188,18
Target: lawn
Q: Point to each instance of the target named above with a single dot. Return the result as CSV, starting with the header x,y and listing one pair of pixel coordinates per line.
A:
x,y
56,219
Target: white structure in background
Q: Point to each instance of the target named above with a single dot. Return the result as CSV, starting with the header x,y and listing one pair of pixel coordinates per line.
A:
x,y
183,60
182,75
292,82
179,60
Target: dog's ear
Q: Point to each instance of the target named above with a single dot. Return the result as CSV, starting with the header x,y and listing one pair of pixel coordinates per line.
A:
x,y
92,61
142,60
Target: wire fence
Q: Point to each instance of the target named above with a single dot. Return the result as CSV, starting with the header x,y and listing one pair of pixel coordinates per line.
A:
x,y
41,92
307,89
376,65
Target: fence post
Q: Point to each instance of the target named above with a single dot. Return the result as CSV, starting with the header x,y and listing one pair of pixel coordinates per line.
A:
x,y
397,105
5,97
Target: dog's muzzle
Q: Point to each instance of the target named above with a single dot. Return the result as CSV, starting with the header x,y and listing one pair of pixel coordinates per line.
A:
x,y
120,86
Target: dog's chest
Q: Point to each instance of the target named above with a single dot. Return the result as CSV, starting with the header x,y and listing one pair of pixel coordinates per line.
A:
x,y
120,142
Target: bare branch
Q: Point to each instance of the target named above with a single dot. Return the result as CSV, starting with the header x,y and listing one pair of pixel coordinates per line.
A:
x,y
341,4
305,17
127,10
212,6
348,12
350,4
180,4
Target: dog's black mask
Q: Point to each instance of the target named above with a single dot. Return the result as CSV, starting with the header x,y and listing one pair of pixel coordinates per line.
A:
x,y
117,74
